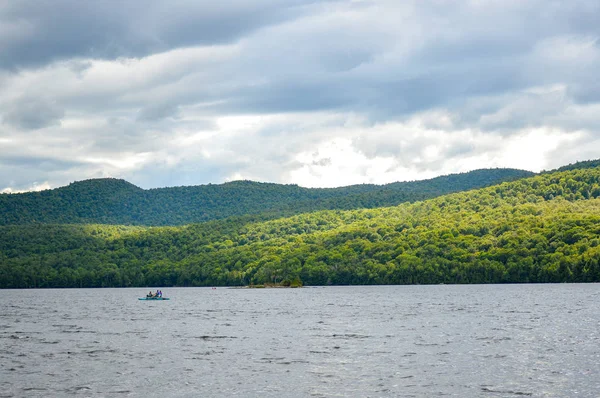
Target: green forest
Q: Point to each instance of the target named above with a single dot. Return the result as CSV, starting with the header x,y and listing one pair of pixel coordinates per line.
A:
x,y
544,228
113,201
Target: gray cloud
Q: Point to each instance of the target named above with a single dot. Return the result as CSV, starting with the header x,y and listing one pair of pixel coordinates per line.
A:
x,y
46,163
22,171
194,91
32,114
40,31
322,162
159,174
158,111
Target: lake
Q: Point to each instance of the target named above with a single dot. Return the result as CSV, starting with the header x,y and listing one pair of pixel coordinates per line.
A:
x,y
360,341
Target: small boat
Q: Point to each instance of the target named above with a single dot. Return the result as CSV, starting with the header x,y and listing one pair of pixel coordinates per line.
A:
x,y
153,298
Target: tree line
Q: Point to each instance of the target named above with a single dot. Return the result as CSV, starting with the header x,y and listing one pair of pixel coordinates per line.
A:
x,y
113,201
540,229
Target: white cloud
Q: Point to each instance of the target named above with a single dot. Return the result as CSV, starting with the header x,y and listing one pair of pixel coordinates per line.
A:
x,y
530,150
35,187
337,163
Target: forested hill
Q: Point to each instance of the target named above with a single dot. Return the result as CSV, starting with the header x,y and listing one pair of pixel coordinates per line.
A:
x,y
113,201
540,229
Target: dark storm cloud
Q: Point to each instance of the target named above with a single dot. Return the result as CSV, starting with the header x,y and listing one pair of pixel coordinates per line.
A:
x,y
35,32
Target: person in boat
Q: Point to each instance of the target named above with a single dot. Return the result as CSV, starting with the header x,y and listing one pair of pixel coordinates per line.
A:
x,y
149,294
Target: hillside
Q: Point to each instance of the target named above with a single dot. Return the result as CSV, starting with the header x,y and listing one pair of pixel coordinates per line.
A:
x,y
540,229
113,201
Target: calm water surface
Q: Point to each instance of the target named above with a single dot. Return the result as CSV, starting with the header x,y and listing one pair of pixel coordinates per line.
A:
x,y
384,341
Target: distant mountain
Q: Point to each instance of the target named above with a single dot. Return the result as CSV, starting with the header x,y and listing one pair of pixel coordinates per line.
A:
x,y
540,229
585,164
114,201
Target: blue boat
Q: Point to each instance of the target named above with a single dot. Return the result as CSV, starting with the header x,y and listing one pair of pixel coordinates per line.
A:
x,y
153,298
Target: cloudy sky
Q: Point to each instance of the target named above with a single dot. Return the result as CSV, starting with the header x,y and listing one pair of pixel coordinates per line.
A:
x,y
315,93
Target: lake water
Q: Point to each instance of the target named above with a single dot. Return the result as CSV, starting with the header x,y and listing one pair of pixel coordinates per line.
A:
x,y
377,341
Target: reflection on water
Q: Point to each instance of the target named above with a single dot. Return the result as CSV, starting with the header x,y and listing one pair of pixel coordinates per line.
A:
x,y
408,341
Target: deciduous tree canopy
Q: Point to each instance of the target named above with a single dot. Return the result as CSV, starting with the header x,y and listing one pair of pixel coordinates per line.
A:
x,y
112,201
540,229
